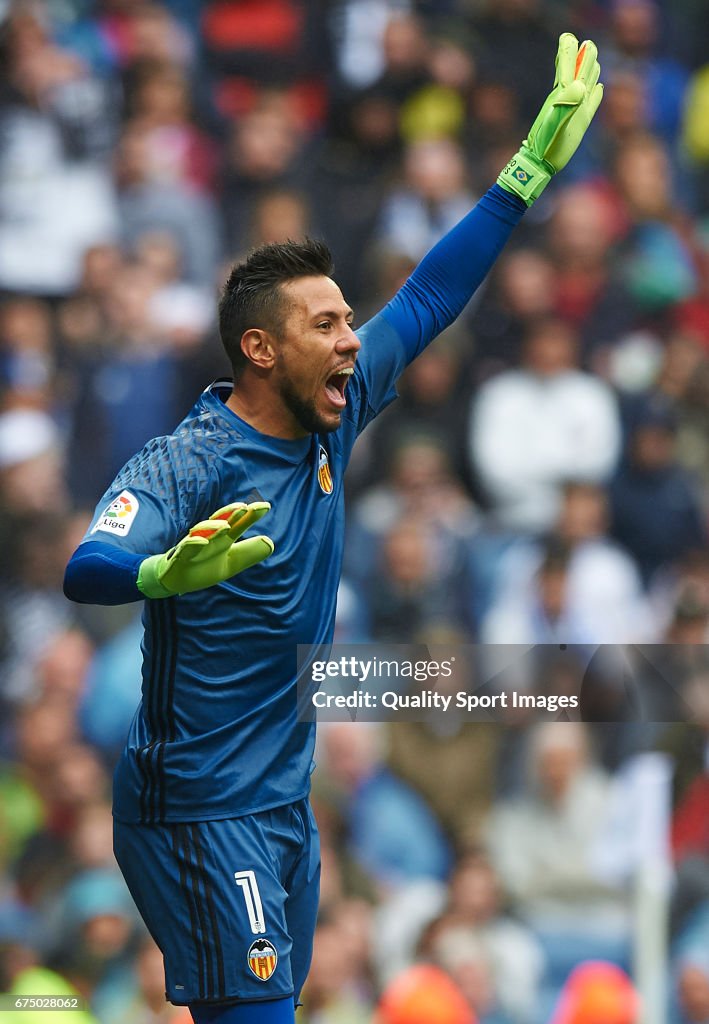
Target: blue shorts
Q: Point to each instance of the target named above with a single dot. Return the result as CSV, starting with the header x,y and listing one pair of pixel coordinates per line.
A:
x,y
231,904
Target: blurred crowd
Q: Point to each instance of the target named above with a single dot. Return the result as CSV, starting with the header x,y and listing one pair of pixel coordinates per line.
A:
x,y
542,480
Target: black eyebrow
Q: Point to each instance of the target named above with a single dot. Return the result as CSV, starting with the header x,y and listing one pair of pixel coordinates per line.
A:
x,y
330,314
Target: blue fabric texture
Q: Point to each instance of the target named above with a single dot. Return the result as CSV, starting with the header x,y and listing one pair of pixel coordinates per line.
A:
x,y
100,573
276,1011
242,895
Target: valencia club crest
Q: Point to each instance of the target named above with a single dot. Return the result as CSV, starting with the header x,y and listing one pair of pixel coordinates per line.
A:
x,y
262,959
324,474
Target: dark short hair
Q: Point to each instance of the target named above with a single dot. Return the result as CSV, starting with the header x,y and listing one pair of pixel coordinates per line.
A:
x,y
252,297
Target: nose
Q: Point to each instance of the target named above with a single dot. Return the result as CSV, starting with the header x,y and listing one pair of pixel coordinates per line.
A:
x,y
348,342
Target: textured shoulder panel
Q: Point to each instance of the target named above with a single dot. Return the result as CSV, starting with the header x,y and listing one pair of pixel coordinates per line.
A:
x,y
180,469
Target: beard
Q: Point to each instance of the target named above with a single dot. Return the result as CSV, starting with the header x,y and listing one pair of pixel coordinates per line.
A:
x,y
304,410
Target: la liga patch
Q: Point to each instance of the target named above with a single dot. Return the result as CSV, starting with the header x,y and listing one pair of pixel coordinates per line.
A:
x,y
118,517
262,959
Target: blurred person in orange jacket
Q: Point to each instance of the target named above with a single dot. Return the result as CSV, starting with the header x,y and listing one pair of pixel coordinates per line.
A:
x,y
423,995
597,993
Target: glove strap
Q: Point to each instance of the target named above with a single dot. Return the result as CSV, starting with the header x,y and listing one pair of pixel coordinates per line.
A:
x,y
148,581
525,175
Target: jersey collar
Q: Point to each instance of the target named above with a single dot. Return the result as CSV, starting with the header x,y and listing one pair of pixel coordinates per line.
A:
x,y
216,396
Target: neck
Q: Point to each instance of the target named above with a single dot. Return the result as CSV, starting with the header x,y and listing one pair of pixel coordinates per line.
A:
x,y
263,409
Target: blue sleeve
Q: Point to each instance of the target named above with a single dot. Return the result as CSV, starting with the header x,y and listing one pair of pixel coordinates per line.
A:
x,y
127,526
100,573
446,278
429,301
162,491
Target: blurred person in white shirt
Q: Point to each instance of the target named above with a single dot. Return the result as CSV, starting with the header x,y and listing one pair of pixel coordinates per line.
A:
x,y
539,425
577,586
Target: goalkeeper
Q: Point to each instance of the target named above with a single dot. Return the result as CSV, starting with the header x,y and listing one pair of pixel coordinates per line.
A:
x,y
213,831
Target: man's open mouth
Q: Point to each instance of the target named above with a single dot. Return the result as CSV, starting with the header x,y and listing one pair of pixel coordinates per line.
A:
x,y
336,384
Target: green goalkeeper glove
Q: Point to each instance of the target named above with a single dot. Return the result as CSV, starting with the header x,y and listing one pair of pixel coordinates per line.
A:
x,y
211,552
561,123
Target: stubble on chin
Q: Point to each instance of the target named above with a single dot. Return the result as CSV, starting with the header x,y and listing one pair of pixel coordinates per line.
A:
x,y
304,411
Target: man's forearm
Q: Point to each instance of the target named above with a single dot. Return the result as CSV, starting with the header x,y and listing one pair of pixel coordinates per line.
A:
x,y
446,278
100,573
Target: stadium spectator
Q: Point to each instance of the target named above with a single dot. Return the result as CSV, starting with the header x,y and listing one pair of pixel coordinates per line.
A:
x,y
583,233
691,317
693,134
658,264
420,484
625,113
112,685
522,290
56,194
281,43
693,990
541,844
540,613
452,762
492,124
412,589
158,99
434,196
31,459
655,506
407,546
94,938
474,928
438,107
277,216
391,832
433,398
579,588
535,427
358,29
141,996
466,960
35,616
264,152
145,31
21,969
91,839
139,355
334,988
635,45
513,34
147,202
404,55
179,311
28,357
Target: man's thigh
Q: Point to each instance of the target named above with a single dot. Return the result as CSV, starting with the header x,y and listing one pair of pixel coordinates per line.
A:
x,y
230,903
303,895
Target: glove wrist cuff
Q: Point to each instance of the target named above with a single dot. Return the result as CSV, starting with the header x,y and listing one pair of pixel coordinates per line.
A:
x,y
526,175
148,582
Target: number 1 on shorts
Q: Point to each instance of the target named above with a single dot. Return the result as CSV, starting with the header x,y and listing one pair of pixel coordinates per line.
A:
x,y
252,897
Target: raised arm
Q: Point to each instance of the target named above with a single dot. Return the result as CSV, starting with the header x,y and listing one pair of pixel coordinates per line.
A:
x,y
449,274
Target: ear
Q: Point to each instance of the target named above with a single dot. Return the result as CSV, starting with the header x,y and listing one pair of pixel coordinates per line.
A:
x,y
259,348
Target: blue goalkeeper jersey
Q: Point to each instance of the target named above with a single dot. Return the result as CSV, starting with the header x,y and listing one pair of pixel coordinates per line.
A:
x,y
216,734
